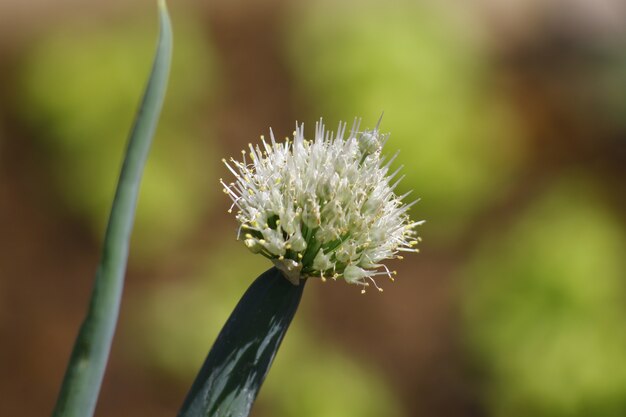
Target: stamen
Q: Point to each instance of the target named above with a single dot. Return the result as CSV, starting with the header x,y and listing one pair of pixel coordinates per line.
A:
x,y
323,184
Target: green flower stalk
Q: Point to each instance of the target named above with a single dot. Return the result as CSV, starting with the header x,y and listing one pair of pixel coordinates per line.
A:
x,y
322,208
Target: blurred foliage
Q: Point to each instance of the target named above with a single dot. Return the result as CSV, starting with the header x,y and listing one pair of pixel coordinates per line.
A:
x,y
607,87
81,86
458,142
543,300
180,320
325,381
545,308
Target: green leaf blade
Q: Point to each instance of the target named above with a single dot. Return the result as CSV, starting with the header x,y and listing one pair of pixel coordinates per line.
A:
x,y
235,368
83,378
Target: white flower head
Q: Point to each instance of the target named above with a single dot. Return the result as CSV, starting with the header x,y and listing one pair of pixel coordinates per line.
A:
x,y
324,207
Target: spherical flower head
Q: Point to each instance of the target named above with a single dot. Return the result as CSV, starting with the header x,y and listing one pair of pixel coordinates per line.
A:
x,y
322,208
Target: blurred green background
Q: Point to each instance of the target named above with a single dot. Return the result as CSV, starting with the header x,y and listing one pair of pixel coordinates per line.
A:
x,y
511,121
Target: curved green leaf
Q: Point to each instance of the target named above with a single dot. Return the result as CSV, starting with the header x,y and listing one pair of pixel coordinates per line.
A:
x,y
85,371
238,362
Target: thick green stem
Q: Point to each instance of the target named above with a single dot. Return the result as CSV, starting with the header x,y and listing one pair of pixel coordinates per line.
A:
x,y
238,362
85,371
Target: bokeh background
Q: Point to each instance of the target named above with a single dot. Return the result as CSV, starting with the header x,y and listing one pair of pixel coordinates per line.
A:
x,y
511,120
